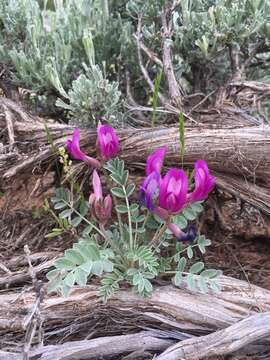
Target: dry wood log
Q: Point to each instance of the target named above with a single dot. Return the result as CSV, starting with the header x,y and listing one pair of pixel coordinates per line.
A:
x,y
21,277
231,339
237,152
97,348
168,308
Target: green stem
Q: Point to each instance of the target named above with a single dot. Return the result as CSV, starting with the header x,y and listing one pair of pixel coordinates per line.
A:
x,y
129,219
82,217
174,272
112,243
101,231
185,249
159,233
120,222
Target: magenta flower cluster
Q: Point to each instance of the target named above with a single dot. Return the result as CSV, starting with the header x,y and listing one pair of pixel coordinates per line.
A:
x,y
168,195
108,147
163,195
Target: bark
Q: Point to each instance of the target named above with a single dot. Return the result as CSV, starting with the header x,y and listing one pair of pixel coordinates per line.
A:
x,y
175,308
237,154
231,339
227,321
100,348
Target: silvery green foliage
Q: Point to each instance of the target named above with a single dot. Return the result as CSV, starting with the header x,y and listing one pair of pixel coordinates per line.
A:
x,y
48,48
91,98
126,251
203,33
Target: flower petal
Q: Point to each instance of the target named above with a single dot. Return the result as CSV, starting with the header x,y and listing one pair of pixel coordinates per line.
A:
x,y
73,147
149,190
204,182
155,160
173,191
97,185
108,142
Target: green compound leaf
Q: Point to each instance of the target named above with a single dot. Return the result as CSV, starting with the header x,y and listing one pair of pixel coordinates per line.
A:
x,y
215,287
190,280
76,221
196,268
122,209
74,256
118,192
178,278
59,205
202,285
130,189
211,273
181,264
189,214
133,208
66,213
80,277
69,279
190,252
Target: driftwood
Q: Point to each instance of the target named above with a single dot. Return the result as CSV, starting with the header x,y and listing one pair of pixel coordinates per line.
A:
x,y
97,348
235,337
229,151
176,312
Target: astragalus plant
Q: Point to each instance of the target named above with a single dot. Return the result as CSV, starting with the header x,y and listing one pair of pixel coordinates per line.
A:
x,y
128,235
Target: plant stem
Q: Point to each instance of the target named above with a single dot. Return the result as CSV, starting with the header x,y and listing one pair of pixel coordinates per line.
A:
x,y
112,243
129,219
120,223
159,233
82,217
185,249
101,231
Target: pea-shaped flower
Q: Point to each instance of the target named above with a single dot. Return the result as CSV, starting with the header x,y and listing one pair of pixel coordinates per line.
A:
x,y
73,147
173,191
204,182
155,160
101,208
108,142
149,190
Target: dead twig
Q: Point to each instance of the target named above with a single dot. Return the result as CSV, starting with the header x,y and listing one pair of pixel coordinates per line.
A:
x,y
33,322
233,338
10,129
142,67
175,90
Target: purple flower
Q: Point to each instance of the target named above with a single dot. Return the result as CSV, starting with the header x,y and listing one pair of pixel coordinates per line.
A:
x,y
101,209
108,142
204,182
149,190
73,147
155,160
189,234
173,191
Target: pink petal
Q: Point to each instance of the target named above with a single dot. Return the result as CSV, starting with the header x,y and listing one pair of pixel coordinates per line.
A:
x,y
107,141
173,190
97,185
155,160
204,182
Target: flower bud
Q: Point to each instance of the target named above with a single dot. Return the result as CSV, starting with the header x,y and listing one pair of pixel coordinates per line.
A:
x,y
73,147
101,209
108,142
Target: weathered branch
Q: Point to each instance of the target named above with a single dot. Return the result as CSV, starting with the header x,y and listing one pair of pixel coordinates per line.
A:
x,y
229,151
175,91
102,347
178,308
151,55
231,339
142,67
